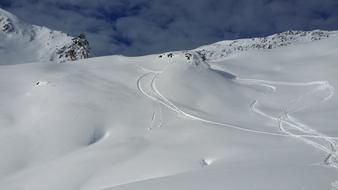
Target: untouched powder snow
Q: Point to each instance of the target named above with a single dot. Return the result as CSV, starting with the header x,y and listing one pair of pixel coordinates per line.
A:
x,y
23,43
255,119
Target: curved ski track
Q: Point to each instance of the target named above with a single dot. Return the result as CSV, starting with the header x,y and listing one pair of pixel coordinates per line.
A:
x,y
146,84
285,120
153,94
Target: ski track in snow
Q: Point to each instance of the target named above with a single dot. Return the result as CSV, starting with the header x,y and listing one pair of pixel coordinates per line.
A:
x,y
154,95
147,86
286,119
156,118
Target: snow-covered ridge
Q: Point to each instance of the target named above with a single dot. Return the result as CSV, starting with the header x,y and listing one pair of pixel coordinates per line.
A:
x,y
225,48
21,43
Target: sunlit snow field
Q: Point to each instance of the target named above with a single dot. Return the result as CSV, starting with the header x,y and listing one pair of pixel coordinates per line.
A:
x,y
264,119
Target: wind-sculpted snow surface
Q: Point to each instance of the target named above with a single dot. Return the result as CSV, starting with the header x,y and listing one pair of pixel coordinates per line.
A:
x,y
250,120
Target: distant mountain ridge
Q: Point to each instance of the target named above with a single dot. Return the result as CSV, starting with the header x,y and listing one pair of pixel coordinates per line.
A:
x,y
225,48
22,43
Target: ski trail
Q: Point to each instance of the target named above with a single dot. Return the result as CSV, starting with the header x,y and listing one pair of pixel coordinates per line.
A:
x,y
297,126
271,83
143,92
152,121
150,94
154,95
160,116
156,119
285,120
147,86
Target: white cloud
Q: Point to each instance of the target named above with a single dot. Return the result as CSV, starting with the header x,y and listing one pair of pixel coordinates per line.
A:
x,y
135,27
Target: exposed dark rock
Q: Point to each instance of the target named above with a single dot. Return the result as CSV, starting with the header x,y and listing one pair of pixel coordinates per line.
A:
x,y
6,25
77,49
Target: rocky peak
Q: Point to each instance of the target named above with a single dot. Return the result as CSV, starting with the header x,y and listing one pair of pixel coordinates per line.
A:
x,y
78,48
21,43
5,24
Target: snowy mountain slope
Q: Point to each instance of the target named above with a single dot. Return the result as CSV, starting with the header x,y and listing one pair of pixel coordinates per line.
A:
x,y
262,119
225,48
23,43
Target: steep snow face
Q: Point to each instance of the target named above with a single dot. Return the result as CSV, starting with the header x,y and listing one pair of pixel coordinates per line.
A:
x,y
253,120
23,43
223,49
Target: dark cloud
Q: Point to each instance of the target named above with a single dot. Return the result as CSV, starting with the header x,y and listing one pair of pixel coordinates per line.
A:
x,y
136,27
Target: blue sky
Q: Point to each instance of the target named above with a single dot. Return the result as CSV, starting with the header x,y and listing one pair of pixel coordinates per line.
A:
x,y
138,27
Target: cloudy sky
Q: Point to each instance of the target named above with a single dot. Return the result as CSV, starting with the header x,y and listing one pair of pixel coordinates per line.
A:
x,y
137,27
